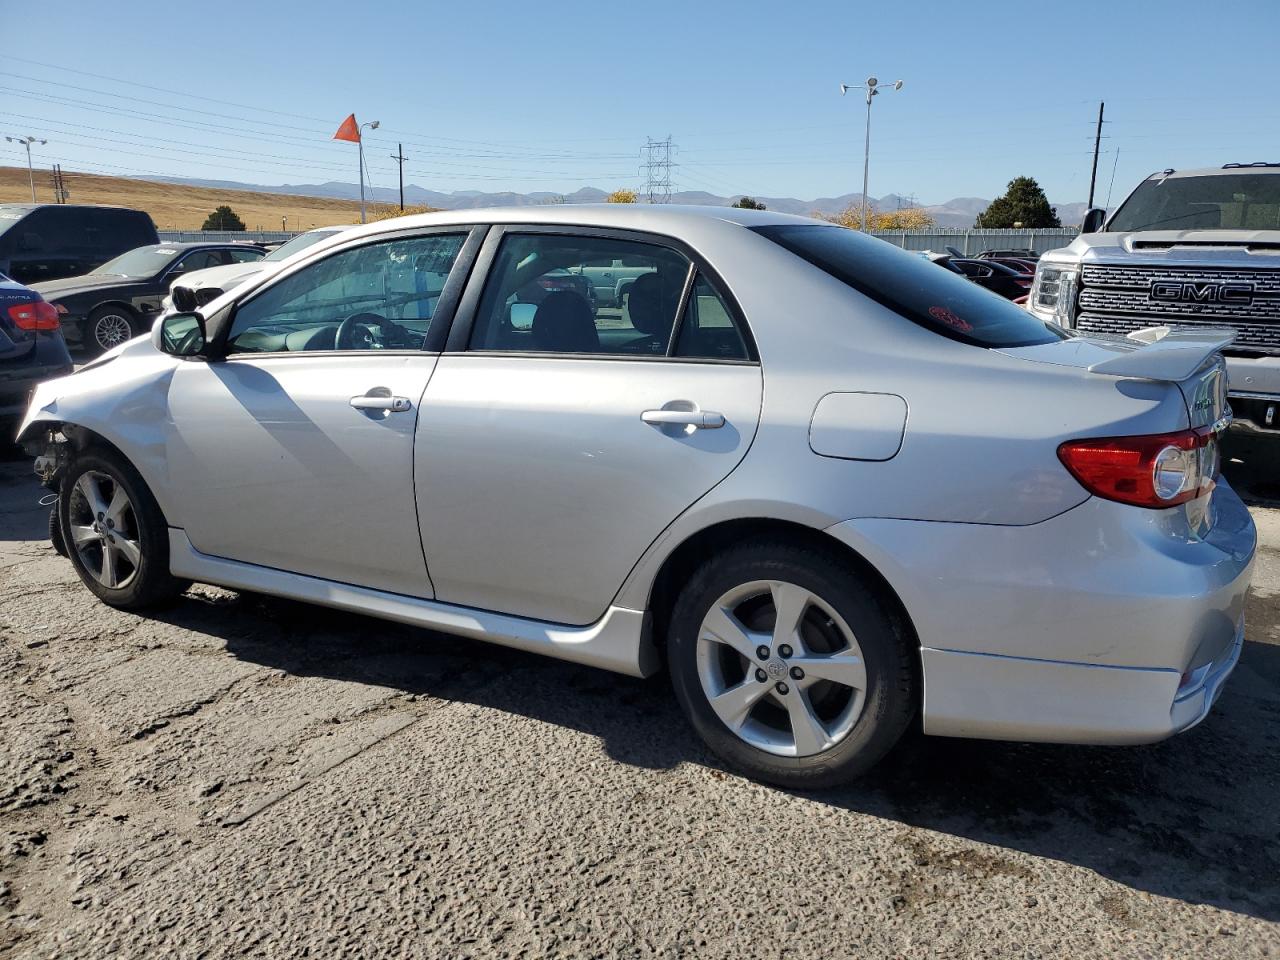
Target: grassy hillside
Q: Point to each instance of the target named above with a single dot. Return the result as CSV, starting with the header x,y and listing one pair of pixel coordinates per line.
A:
x,y
174,207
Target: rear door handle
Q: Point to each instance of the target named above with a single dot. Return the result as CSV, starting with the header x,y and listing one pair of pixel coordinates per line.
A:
x,y
702,419
389,404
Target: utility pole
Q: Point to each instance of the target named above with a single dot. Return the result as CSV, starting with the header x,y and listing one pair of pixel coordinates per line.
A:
x,y
60,191
31,175
400,158
1097,143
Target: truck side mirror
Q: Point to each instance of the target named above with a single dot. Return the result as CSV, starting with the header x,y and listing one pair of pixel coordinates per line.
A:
x,y
1094,218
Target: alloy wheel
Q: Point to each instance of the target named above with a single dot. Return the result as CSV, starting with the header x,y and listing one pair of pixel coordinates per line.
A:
x,y
112,330
781,669
104,529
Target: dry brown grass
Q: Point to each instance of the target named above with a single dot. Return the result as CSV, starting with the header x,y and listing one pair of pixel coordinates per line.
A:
x,y
175,207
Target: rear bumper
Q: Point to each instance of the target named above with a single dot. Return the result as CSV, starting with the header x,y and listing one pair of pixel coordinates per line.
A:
x,y
1015,698
1105,624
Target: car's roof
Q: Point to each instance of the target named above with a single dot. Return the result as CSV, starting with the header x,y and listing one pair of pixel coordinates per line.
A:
x,y
670,218
197,244
1216,171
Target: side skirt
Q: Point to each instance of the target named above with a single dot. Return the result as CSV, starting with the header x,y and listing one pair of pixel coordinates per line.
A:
x,y
619,641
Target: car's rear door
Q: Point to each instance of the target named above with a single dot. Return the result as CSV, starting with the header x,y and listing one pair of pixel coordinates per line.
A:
x,y
557,441
296,451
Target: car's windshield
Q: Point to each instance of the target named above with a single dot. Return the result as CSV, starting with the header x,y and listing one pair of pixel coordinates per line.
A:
x,y
1223,201
910,285
11,215
299,243
139,262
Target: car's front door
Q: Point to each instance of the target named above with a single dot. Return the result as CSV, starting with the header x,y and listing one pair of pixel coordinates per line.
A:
x,y
296,451
561,436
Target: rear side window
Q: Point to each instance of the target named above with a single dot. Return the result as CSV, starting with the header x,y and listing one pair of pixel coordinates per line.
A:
x,y
921,291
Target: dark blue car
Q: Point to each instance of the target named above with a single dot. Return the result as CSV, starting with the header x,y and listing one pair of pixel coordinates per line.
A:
x,y
31,348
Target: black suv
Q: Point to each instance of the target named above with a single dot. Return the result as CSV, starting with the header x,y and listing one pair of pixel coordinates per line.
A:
x,y
41,242
122,297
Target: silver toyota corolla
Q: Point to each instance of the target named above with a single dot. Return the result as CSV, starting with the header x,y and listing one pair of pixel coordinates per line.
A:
x,y
829,486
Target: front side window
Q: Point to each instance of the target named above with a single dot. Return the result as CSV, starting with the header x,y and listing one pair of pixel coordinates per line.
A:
x,y
542,296
379,296
913,287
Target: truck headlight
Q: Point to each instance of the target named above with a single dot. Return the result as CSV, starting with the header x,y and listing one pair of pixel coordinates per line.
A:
x,y
1053,293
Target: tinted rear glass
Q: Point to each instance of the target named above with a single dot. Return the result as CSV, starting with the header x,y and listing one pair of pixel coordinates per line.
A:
x,y
923,292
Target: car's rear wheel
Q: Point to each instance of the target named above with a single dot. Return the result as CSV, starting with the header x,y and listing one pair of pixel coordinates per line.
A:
x,y
114,533
790,666
109,327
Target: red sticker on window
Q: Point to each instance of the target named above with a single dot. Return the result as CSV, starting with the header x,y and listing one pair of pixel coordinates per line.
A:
x,y
943,315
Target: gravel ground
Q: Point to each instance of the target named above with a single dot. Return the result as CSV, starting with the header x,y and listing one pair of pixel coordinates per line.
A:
x,y
237,776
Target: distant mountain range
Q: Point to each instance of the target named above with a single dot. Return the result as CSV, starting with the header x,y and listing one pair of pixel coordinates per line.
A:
x,y
959,212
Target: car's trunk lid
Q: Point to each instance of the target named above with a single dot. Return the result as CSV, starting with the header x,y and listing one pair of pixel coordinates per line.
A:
x,y
1190,359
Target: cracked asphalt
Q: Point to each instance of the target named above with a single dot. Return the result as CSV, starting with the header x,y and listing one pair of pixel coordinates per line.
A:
x,y
237,776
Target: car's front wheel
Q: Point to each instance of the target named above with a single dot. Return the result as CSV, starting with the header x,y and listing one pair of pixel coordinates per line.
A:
x,y
114,533
109,327
790,666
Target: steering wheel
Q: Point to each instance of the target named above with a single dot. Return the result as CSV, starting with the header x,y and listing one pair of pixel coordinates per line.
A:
x,y
354,333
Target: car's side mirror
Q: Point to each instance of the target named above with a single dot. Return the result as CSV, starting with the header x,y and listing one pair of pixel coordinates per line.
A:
x,y
1093,220
180,335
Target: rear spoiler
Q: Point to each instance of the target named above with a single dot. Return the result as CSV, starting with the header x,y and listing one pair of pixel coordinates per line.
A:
x,y
1168,354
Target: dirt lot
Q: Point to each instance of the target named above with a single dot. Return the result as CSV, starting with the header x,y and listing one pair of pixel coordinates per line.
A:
x,y
247,777
178,207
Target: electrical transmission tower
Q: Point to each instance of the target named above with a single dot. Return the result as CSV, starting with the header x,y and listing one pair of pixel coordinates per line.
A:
x,y
655,167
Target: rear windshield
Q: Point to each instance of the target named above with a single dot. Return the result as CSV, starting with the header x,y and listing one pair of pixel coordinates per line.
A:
x,y
298,244
923,292
1220,201
141,262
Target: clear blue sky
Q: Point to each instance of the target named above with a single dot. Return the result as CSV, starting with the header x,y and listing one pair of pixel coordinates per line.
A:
x,y
494,95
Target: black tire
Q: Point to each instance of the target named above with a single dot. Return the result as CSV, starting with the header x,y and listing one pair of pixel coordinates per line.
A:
x,y
151,583
888,653
55,532
108,319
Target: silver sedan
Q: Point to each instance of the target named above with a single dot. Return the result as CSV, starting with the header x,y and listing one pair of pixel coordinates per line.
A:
x,y
829,487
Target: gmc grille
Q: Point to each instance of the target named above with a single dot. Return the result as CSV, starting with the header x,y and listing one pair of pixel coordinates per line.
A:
x,y
1118,300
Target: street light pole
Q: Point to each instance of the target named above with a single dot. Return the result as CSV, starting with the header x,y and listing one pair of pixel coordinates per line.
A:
x,y
872,86
372,125
31,176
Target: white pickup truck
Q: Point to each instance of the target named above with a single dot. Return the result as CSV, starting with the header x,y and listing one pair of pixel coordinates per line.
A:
x,y
1193,248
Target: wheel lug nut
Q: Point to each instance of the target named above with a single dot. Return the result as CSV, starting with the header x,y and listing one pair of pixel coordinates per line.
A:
x,y
784,650
762,652
100,517
762,676
111,523
797,673
782,688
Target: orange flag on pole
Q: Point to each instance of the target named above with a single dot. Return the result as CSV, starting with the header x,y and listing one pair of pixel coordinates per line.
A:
x,y
348,130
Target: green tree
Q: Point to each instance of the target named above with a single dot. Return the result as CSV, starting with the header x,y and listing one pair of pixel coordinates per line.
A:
x,y
1024,203
748,203
223,218
622,195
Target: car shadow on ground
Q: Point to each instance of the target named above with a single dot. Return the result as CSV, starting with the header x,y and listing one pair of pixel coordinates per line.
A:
x,y
1193,819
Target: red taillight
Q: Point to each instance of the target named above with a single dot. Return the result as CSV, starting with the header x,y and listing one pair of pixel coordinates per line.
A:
x,y
36,315
1161,470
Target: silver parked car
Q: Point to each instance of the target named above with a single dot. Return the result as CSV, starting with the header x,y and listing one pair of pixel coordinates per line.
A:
x,y
830,486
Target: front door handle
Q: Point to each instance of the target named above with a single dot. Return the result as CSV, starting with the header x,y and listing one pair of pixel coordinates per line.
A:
x,y
701,419
387,404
